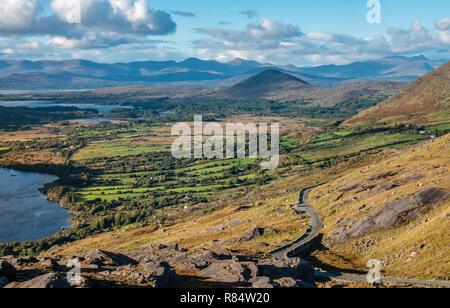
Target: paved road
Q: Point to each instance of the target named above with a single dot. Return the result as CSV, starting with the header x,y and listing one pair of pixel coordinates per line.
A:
x,y
312,236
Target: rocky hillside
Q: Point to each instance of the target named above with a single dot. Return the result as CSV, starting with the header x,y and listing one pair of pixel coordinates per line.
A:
x,y
396,210
427,100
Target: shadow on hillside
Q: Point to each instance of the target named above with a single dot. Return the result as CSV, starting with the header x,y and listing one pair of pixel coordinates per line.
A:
x,y
330,268
186,281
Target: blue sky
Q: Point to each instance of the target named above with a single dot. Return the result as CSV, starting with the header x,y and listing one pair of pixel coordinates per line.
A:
x,y
295,32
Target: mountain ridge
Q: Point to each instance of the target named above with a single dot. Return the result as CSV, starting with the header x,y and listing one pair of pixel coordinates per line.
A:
x,y
194,72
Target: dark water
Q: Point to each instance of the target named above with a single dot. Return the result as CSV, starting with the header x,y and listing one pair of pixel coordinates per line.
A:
x,y
25,214
39,104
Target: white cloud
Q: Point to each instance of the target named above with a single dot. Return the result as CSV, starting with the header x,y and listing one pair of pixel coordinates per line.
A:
x,y
285,43
103,23
443,30
17,15
443,24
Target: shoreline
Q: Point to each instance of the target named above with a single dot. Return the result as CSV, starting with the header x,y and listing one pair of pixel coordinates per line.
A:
x,y
43,189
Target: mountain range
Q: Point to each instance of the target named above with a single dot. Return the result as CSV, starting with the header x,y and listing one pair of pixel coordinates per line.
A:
x,y
83,74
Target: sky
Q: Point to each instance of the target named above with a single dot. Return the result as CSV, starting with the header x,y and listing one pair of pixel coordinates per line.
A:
x,y
297,32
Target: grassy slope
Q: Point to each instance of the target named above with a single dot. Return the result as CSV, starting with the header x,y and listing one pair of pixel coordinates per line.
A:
x,y
268,207
393,246
425,101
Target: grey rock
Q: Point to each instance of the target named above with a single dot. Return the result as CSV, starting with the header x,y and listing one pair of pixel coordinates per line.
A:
x,y
100,257
159,272
251,234
261,283
399,211
286,282
225,271
47,281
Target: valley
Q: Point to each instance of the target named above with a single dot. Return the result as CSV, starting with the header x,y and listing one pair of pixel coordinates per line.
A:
x,y
130,197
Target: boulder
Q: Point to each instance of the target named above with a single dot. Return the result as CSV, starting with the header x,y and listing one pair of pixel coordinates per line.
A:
x,y
261,283
398,212
8,271
159,272
229,271
286,282
47,281
100,257
251,234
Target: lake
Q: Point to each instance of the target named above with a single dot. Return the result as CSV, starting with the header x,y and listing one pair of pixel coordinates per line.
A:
x,y
25,214
40,104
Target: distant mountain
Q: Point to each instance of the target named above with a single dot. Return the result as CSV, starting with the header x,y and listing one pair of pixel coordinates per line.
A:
x,y
427,100
265,84
395,68
77,74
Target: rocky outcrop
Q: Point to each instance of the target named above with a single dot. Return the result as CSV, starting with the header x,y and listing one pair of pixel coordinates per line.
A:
x,y
100,258
47,281
397,212
157,266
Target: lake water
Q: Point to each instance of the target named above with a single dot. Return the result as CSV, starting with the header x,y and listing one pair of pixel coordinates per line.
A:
x,y
40,104
25,214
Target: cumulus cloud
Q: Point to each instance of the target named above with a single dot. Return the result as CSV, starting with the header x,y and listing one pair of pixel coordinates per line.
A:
x,y
443,24
17,16
266,33
101,23
274,41
443,30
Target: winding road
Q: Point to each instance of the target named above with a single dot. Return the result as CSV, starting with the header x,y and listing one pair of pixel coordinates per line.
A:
x,y
313,236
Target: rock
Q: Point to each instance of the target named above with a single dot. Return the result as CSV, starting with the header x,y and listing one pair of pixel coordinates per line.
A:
x,y
225,271
251,234
383,175
8,271
397,212
432,195
48,263
296,268
160,272
47,281
261,283
24,261
101,258
412,178
286,282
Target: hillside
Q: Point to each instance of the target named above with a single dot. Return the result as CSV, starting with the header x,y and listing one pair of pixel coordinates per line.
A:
x,y
396,210
427,100
267,84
